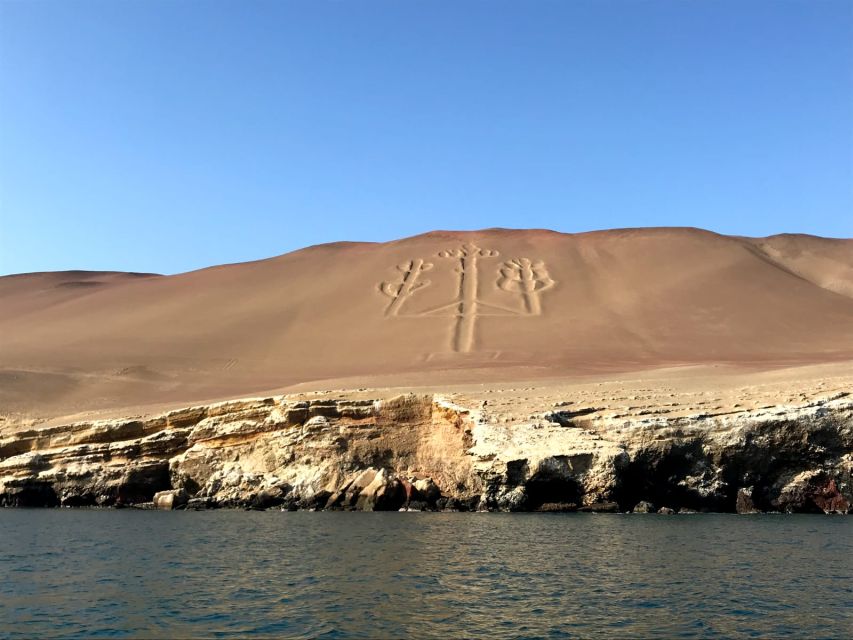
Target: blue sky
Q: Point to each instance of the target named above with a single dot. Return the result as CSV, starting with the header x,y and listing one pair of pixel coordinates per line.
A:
x,y
167,136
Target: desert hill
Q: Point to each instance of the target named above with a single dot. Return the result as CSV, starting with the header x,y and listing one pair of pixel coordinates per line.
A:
x,y
439,307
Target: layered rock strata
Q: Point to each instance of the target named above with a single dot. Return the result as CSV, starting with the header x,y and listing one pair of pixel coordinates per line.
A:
x,y
429,452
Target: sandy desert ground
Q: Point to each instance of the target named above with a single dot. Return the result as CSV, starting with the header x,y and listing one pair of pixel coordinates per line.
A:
x,y
450,310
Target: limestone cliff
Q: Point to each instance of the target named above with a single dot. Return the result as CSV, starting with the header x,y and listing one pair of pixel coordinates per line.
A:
x,y
429,451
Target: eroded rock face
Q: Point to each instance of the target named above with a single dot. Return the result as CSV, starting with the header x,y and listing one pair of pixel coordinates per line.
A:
x,y
423,452
745,502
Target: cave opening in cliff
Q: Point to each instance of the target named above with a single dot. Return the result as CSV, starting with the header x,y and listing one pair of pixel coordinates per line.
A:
x,y
669,477
30,494
552,493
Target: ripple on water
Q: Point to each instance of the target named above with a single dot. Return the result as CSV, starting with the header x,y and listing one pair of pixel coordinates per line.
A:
x,y
232,573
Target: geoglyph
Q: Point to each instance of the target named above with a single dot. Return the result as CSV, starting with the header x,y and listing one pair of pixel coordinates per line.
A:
x,y
521,277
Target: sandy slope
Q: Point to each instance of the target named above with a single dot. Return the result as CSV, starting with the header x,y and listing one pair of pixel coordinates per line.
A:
x,y
441,308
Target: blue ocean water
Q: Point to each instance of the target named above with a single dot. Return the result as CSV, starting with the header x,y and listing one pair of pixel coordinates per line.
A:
x,y
93,573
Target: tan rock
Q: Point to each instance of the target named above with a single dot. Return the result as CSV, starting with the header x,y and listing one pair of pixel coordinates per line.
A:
x,y
356,451
171,499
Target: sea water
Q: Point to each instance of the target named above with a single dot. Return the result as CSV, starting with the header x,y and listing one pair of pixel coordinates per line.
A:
x,y
97,573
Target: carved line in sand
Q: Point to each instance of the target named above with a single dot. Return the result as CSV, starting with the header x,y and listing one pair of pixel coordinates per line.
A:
x,y
528,278
399,292
520,275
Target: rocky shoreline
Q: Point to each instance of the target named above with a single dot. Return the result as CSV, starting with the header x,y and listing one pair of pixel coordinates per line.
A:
x,y
429,452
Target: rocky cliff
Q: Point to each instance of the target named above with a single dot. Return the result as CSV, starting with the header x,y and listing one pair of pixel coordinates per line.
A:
x,y
428,451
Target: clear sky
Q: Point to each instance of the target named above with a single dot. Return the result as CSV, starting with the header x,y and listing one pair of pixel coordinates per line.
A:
x,y
167,136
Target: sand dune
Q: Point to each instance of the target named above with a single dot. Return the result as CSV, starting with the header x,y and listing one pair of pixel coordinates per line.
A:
x,y
444,306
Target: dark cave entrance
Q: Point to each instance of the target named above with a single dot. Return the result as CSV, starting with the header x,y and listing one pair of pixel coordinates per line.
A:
x,y
552,493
